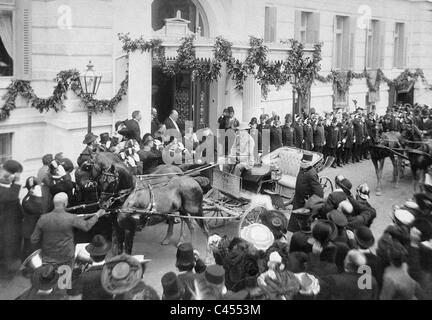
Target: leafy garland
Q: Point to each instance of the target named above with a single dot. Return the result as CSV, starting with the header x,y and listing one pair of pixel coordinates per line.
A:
x,y
65,80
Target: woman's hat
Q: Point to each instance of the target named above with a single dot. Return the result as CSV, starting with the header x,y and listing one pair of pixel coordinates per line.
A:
x,y
98,247
344,183
31,182
258,235
121,274
309,285
173,288
425,227
364,237
276,221
13,167
215,274
89,138
338,218
185,255
324,231
45,278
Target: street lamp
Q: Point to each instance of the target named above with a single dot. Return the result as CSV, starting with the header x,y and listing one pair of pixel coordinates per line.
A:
x,y
90,82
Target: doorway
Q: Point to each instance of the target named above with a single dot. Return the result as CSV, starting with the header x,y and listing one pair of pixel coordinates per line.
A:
x,y
189,98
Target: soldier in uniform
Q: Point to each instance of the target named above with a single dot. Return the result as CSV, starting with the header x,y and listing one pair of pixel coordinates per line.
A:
x,y
319,136
358,138
333,139
275,134
340,148
349,142
308,135
299,135
288,132
90,141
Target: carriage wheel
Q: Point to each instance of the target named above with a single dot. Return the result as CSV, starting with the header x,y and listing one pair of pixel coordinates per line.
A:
x,y
215,223
327,185
251,216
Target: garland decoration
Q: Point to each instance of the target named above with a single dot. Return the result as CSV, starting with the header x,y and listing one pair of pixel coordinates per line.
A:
x,y
65,80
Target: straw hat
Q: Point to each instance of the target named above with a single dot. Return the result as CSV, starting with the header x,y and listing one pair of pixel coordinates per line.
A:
x,y
121,274
259,235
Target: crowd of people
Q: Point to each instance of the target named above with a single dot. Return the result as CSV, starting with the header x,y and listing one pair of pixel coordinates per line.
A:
x,y
323,249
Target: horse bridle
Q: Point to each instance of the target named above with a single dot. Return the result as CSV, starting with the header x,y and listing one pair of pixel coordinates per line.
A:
x,y
110,178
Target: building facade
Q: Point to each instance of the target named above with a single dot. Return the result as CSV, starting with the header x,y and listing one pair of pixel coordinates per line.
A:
x,y
39,38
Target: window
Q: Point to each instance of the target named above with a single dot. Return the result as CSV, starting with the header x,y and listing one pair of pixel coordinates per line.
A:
x,y
15,39
344,41
6,43
400,43
270,24
306,27
5,147
375,44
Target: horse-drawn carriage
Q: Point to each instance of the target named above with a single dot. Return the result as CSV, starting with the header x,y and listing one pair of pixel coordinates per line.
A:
x,y
268,185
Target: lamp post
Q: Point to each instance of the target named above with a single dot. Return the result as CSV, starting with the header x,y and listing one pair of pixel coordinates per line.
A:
x,y
90,82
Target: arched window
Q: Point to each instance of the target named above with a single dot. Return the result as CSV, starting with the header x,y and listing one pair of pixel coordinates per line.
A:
x,y
190,10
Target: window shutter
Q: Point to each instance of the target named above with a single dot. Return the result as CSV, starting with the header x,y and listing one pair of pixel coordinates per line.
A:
x,y
297,24
316,27
381,47
352,39
273,23
335,53
405,52
23,27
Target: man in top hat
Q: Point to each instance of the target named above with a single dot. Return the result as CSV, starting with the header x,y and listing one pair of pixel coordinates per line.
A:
x,y
300,239
90,140
54,232
10,217
90,282
345,286
242,150
173,288
288,132
307,185
365,240
187,260
105,142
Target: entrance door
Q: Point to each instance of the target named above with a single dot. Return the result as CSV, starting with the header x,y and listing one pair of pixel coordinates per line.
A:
x,y
190,99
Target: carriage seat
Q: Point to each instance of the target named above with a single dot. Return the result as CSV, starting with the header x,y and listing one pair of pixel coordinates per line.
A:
x,y
288,161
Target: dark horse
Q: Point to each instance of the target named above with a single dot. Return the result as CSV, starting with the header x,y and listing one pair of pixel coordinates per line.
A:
x,y
420,157
382,146
162,195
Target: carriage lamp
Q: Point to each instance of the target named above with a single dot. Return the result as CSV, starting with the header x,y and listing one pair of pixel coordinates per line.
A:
x,y
90,82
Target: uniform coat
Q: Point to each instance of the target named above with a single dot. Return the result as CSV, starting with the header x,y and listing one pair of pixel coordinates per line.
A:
x,y
275,138
308,137
299,135
288,136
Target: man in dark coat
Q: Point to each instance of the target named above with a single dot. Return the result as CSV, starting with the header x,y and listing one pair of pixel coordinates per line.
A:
x,y
299,134
10,217
275,135
426,124
288,133
341,193
150,157
349,143
155,121
54,232
308,135
358,138
345,286
340,149
333,139
307,185
44,170
300,241
171,122
319,136
89,283
133,127
363,213
90,142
